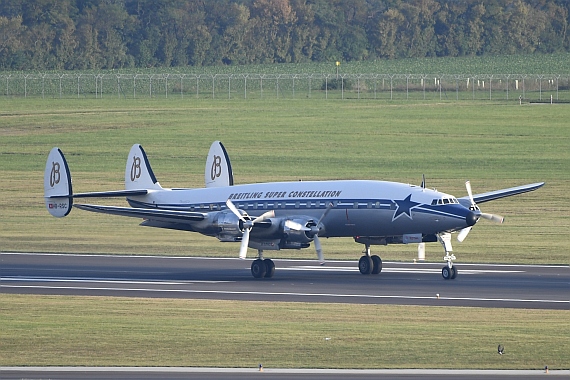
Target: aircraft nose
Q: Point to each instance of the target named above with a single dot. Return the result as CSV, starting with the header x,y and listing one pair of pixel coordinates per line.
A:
x,y
471,218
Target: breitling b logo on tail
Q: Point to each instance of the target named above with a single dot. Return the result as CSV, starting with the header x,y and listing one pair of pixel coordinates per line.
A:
x,y
216,167
138,173
136,168
218,170
55,175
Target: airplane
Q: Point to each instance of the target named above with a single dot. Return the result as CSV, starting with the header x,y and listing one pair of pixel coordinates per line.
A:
x,y
284,215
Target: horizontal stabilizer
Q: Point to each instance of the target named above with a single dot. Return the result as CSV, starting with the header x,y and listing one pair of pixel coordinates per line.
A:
x,y
170,216
111,194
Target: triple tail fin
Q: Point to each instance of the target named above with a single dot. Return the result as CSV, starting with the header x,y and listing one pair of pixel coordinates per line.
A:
x,y
58,192
138,173
218,171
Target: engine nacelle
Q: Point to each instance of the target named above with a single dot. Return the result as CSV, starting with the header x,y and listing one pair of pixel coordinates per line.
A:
x,y
298,231
230,227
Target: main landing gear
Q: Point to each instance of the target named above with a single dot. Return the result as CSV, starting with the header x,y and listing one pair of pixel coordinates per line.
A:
x,y
262,268
448,272
369,264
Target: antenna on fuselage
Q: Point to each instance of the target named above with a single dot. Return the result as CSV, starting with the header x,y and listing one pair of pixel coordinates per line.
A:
x,y
423,185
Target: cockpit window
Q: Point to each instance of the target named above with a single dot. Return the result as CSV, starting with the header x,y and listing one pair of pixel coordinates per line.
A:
x,y
444,201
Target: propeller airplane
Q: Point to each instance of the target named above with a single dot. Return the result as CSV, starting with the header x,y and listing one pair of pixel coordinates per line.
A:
x,y
284,215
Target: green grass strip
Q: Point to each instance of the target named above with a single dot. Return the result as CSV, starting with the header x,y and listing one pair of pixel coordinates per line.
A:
x,y
102,331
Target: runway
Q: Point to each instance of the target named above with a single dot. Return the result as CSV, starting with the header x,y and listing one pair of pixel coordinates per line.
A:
x,y
477,285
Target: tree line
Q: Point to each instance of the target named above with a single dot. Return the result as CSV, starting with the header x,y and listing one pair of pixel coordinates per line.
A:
x,y
107,34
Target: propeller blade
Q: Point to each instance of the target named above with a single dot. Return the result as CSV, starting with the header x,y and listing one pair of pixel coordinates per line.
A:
x,y
295,226
329,207
266,215
470,193
493,217
233,209
463,234
244,244
319,250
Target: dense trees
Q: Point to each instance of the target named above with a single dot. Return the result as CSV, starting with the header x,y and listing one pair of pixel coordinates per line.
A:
x,y
94,34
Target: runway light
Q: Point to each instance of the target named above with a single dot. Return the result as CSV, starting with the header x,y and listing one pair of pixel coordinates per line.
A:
x,y
545,369
260,367
437,295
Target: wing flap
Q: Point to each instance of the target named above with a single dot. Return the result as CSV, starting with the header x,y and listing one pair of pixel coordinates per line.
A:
x,y
497,194
169,216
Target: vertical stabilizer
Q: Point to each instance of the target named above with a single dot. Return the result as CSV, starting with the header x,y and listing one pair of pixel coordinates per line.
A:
x,y
218,171
138,173
58,193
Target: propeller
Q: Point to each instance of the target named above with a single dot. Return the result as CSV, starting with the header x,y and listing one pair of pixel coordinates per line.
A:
x,y
476,215
313,231
247,225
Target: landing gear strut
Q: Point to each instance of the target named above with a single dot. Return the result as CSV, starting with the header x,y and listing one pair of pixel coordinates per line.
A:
x,y
448,272
261,267
369,264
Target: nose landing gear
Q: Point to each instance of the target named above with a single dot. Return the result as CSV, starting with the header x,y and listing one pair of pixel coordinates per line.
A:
x,y
448,272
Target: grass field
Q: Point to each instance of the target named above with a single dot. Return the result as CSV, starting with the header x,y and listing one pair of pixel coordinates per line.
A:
x,y
88,331
494,144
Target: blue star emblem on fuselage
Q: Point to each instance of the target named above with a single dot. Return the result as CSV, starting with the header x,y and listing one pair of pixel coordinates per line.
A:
x,y
404,206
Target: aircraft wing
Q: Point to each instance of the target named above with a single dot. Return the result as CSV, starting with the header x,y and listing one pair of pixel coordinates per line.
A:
x,y
497,194
170,216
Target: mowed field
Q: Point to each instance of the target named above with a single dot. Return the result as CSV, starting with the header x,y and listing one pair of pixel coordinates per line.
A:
x,y
495,145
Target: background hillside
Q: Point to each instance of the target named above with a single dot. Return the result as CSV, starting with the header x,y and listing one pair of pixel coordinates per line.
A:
x,y
108,34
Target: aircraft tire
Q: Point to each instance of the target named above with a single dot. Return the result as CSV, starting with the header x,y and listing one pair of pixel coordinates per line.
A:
x,y
446,272
376,264
453,273
269,268
365,265
258,268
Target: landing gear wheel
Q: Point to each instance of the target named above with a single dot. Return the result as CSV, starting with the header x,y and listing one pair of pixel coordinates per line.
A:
x,y
376,264
258,268
453,273
446,272
269,268
365,265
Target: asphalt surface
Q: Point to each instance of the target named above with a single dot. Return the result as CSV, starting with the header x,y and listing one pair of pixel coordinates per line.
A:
x,y
477,285
510,286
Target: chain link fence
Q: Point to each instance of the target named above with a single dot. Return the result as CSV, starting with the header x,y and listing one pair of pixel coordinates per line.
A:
x,y
516,87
